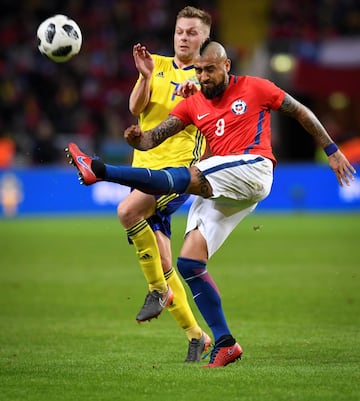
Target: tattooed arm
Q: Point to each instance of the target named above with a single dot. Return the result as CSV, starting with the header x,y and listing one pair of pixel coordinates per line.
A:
x,y
154,137
306,118
337,161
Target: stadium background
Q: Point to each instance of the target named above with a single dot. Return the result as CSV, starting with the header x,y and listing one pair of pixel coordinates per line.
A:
x,y
311,49
70,287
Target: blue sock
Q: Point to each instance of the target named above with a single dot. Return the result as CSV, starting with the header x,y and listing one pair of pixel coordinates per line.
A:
x,y
150,181
205,293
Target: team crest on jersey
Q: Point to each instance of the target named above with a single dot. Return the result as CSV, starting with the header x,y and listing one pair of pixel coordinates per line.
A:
x,y
238,107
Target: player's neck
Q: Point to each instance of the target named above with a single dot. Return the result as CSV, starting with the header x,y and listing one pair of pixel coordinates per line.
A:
x,y
182,64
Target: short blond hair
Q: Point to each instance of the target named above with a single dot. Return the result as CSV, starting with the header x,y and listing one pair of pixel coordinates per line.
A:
x,y
193,12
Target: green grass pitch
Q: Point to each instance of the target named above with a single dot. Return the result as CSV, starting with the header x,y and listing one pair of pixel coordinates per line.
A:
x,y
70,289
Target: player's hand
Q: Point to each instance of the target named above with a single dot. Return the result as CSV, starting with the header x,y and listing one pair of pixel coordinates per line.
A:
x,y
133,135
143,60
186,89
342,168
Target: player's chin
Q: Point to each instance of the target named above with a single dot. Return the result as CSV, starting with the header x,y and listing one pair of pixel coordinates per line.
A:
x,y
184,53
208,92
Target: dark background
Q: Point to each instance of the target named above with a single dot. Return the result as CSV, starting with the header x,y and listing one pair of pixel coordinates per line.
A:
x,y
43,105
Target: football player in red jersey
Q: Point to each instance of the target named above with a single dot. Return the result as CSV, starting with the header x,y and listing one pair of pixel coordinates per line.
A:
x,y
233,112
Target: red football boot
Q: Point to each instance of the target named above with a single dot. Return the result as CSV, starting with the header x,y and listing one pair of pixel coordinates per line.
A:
x,y
222,356
83,164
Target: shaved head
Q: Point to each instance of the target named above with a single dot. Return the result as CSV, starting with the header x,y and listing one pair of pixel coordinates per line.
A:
x,y
213,49
212,67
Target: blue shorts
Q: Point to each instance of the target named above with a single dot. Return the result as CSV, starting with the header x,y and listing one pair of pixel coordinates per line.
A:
x,y
166,205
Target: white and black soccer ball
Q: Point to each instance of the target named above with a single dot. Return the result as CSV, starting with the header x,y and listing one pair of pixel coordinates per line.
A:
x,y
59,38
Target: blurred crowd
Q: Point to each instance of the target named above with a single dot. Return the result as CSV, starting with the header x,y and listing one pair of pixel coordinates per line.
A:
x,y
43,105
324,37
314,19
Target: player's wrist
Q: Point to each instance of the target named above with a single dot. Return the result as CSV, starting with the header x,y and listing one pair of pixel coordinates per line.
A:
x,y
331,149
145,77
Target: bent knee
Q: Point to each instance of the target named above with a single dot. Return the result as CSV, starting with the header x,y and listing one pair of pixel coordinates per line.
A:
x,y
121,212
128,215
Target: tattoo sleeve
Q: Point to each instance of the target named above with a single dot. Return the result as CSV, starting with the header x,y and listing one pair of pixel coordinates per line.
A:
x,y
306,118
169,127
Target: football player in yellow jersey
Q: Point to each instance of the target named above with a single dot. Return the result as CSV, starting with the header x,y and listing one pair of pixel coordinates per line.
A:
x,y
146,218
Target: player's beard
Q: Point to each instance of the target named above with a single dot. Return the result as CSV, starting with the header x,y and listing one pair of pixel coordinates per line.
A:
x,y
214,91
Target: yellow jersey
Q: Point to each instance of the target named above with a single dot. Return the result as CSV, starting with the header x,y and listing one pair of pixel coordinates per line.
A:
x,y
182,149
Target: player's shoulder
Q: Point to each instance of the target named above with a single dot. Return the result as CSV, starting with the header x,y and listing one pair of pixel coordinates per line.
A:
x,y
240,79
255,83
253,80
162,61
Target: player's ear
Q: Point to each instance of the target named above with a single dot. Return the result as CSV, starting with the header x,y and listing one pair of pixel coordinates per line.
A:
x,y
227,65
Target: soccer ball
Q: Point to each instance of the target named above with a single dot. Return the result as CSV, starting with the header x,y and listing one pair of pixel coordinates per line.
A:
x,y
59,38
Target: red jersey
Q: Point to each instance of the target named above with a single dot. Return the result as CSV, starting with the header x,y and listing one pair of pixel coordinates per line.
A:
x,y
238,121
